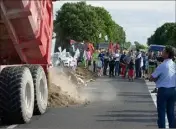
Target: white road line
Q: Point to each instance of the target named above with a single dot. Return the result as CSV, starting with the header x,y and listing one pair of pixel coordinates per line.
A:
x,y
151,86
12,126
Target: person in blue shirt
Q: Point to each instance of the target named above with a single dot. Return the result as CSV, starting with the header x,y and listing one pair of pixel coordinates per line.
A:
x,y
165,78
101,56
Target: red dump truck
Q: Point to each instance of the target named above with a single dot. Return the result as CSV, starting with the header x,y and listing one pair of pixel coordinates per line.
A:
x,y
26,28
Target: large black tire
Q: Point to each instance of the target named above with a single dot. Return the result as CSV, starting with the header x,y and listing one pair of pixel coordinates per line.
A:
x,y
16,95
41,89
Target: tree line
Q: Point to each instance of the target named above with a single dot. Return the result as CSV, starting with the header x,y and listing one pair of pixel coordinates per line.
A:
x,y
164,35
82,22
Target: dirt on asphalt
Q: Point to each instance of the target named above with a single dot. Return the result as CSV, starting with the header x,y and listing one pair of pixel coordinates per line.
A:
x,y
64,84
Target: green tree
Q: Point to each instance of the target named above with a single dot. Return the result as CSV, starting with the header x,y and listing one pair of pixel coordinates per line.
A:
x,y
164,35
139,46
127,45
82,22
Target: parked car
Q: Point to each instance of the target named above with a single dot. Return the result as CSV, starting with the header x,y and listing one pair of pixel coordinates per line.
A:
x,y
156,47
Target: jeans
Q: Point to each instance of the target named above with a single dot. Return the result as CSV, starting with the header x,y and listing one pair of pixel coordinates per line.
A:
x,y
105,67
137,69
165,104
117,67
111,70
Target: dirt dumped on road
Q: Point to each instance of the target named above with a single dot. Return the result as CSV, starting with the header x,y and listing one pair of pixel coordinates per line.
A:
x,y
63,87
58,98
85,74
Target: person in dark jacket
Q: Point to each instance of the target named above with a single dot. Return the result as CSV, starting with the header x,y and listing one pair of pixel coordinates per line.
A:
x,y
122,64
111,66
138,64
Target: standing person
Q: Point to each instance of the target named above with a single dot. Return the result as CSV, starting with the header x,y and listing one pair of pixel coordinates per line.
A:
x,y
101,56
99,67
95,59
151,59
152,65
138,64
159,58
164,77
141,66
117,62
122,63
87,58
144,64
131,68
119,72
127,60
106,62
111,66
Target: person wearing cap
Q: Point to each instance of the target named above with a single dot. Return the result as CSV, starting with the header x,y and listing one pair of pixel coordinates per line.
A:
x,y
165,78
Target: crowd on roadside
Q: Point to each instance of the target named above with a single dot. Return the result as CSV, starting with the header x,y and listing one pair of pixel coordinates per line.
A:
x,y
131,65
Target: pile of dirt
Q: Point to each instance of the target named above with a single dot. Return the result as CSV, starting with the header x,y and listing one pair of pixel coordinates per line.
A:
x,y
59,98
62,90
85,74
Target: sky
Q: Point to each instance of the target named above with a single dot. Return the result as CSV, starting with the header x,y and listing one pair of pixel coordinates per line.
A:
x,y
138,18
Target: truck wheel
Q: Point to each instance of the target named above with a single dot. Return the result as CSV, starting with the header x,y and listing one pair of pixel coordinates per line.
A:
x,y
40,88
16,95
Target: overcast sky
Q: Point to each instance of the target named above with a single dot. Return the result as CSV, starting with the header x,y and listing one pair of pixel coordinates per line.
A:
x,y
138,18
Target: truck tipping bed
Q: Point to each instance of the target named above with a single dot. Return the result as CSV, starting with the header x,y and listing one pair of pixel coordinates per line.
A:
x,y
25,31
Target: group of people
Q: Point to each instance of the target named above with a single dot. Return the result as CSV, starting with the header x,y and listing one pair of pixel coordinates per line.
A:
x,y
132,64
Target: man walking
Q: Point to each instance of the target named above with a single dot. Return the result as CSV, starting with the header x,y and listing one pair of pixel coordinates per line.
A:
x,y
165,78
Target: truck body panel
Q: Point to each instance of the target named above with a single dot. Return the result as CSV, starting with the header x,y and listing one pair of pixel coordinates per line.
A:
x,y
26,28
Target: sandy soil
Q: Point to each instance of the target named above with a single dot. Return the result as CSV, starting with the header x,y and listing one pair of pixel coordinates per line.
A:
x,y
64,84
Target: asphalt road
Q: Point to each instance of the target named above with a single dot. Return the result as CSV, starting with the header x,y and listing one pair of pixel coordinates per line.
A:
x,y
115,103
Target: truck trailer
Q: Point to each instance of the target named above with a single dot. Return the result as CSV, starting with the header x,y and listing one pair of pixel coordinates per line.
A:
x,y
26,28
